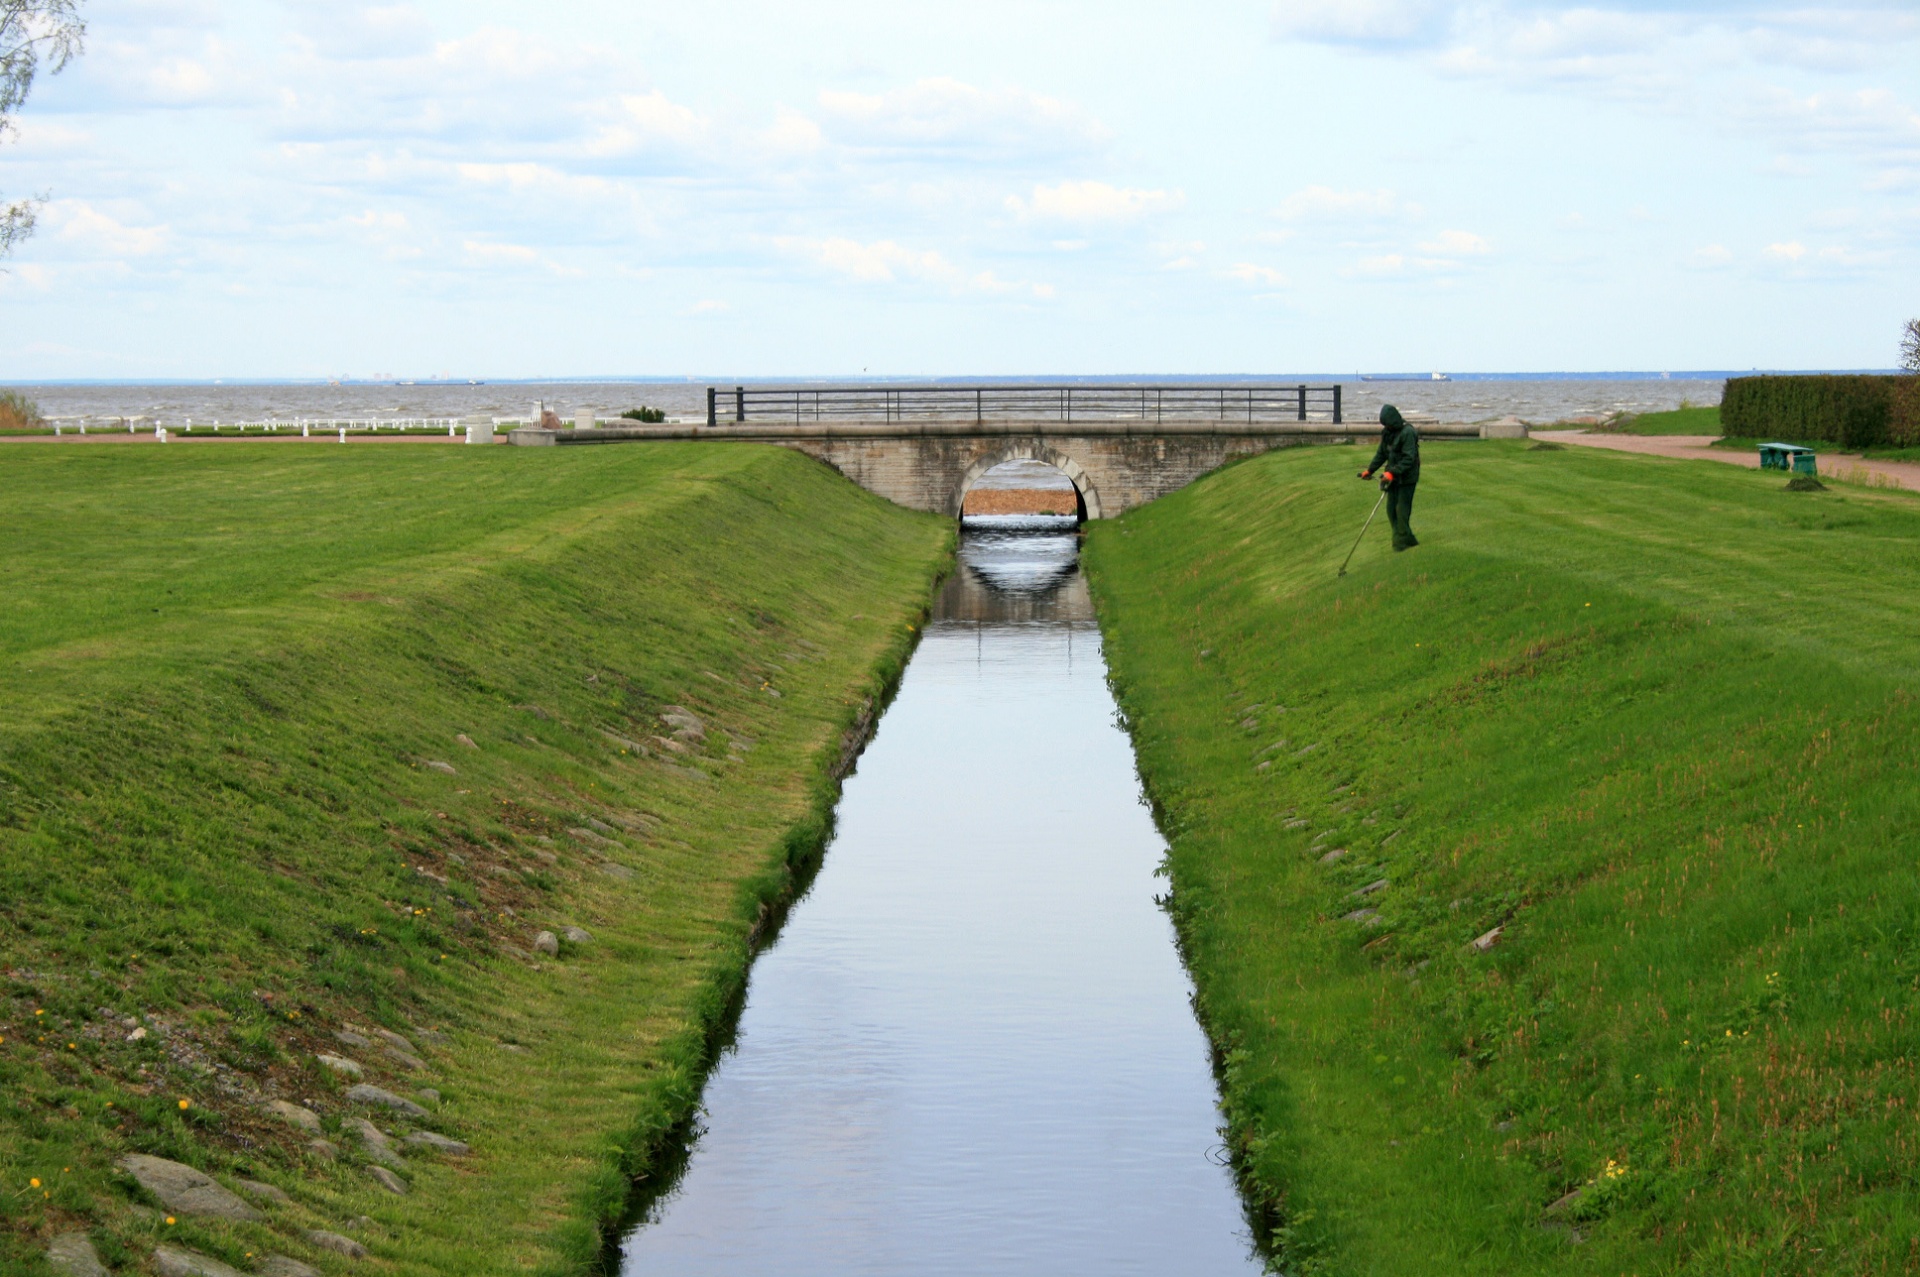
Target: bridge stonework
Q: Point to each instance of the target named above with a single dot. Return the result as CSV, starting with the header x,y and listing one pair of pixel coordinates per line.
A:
x,y
930,466
1112,474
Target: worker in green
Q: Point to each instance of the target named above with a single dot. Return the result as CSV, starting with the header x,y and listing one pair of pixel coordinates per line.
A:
x,y
1397,460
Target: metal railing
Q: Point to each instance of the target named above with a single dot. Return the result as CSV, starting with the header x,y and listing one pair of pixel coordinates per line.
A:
x,y
800,405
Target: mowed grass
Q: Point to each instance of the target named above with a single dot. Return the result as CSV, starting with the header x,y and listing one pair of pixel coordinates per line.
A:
x,y
1679,421
1655,723
227,671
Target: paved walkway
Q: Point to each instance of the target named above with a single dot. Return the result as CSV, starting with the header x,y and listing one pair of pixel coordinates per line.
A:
x,y
1846,466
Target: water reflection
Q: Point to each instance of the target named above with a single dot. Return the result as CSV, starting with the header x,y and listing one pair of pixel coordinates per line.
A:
x,y
970,1050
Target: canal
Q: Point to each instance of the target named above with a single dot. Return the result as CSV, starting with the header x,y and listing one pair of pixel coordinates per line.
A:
x,y
970,1049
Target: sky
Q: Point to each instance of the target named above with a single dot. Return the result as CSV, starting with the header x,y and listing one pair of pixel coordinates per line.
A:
x,y
309,188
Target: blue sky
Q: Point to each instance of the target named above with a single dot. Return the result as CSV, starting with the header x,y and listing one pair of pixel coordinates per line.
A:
x,y
310,188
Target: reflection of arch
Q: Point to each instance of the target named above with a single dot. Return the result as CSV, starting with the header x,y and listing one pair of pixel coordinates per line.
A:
x,y
1089,495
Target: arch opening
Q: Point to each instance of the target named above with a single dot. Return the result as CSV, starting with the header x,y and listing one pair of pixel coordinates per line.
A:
x,y
1026,483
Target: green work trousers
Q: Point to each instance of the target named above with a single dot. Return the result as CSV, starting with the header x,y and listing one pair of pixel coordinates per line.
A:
x,y
1400,512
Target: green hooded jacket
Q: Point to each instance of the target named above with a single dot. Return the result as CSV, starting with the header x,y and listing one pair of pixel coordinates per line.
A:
x,y
1399,450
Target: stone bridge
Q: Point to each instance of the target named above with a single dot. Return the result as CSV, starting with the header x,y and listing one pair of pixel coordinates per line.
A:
x,y
1114,465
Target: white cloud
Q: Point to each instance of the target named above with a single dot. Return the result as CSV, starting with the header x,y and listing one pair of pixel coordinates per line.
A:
x,y
886,262
1456,244
1249,272
947,115
94,232
1790,251
492,253
647,121
1353,21
1325,204
1092,202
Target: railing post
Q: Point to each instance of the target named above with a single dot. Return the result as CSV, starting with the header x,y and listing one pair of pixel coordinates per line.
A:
x,y
739,403
712,420
1336,403
1303,403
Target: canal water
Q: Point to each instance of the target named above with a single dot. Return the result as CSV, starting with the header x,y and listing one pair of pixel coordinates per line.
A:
x,y
970,1050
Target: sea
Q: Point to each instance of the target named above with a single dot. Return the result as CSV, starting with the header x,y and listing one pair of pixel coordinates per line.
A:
x,y
1534,398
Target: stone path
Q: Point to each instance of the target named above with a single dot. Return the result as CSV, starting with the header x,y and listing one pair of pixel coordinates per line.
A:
x,y
1837,465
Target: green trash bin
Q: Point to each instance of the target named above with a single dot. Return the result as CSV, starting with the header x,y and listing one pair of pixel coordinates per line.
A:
x,y
1804,462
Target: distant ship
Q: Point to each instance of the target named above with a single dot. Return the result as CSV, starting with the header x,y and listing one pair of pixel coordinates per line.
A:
x,y
1432,376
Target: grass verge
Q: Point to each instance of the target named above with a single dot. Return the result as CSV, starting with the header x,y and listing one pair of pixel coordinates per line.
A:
x,y
1642,730
303,743
1680,421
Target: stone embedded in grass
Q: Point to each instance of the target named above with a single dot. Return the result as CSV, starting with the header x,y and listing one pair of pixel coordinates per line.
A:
x,y
72,1255
1485,942
401,1057
438,1143
347,1037
388,1180
433,1037
340,1064
375,1140
466,740
439,766
548,943
324,1148
393,1039
1369,889
592,839
1360,916
621,872
1333,855
293,1114
684,722
364,1094
174,1261
263,1192
576,935
336,1243
1390,837
428,1094
286,1266
601,826
184,1190
1300,823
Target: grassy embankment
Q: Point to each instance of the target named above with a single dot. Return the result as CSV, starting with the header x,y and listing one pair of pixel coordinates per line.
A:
x,y
1687,420
1655,722
229,674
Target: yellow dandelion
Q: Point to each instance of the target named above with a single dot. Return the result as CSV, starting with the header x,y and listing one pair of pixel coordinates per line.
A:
x,y
184,1104
33,1183
169,1220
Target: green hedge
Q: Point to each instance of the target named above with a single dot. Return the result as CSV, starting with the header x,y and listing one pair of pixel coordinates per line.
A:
x,y
1853,411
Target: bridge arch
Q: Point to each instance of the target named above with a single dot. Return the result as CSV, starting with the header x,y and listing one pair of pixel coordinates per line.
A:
x,y
1031,451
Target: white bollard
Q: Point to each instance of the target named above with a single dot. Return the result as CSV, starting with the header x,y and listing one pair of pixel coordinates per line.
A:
x,y
56,430
303,430
83,429
343,434
160,433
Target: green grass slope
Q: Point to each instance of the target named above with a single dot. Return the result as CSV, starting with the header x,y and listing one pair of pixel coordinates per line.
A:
x,y
1679,421
1650,727
302,741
